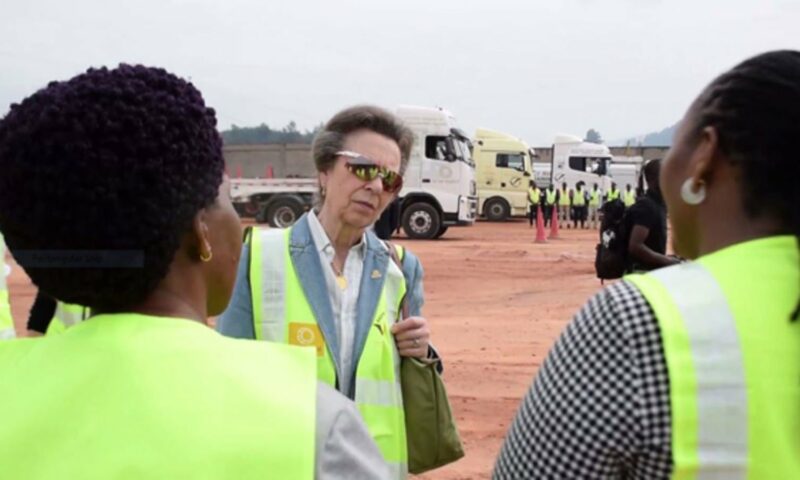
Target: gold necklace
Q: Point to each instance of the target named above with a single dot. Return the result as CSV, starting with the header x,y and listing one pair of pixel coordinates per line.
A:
x,y
341,281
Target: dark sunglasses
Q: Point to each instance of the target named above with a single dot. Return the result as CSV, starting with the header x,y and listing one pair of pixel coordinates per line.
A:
x,y
366,170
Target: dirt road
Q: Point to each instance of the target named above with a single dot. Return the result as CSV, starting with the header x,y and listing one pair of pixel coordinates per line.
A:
x,y
496,301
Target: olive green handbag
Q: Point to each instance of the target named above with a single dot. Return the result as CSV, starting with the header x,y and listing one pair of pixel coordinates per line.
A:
x,y
431,431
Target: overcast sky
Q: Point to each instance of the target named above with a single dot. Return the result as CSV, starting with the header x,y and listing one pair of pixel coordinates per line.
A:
x,y
531,68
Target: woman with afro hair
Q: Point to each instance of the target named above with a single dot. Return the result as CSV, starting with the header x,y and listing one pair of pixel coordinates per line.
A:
x,y
113,196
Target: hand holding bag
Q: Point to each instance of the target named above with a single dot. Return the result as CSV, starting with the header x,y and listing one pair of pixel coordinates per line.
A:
x,y
431,431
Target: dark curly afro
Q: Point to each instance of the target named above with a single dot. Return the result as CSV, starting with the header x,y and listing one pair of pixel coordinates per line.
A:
x,y
111,160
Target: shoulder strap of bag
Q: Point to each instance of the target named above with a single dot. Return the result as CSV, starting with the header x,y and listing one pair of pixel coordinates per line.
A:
x,y
404,309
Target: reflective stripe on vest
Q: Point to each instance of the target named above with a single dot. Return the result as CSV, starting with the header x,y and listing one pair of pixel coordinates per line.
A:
x,y
630,198
66,315
282,314
578,198
727,344
6,320
550,197
594,198
563,198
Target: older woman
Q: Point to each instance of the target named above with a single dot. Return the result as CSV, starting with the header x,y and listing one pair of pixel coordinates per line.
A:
x,y
691,371
143,388
330,283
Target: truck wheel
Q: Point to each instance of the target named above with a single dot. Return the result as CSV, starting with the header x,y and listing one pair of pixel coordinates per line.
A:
x,y
441,231
421,221
496,210
283,213
250,209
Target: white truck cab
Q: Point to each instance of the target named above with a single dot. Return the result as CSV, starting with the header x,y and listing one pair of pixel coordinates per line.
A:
x,y
577,161
439,188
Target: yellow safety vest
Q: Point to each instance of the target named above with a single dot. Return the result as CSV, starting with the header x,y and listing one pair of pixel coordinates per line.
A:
x,y
534,194
629,198
136,396
594,198
550,197
563,199
281,313
6,321
578,199
731,353
613,194
66,316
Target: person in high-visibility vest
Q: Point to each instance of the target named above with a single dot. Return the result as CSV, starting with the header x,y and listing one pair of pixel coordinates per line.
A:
x,y
550,197
579,211
613,193
66,316
595,200
49,316
534,201
6,320
144,388
563,206
629,197
691,371
329,283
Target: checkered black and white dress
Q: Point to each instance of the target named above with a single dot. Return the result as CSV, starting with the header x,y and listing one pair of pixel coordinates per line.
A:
x,y
599,406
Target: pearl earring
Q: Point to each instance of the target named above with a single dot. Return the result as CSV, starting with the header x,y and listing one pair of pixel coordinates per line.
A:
x,y
692,195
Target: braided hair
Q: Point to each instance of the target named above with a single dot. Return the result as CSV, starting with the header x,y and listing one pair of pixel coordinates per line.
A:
x,y
755,110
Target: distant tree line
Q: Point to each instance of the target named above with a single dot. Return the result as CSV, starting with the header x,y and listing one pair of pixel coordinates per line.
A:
x,y
264,134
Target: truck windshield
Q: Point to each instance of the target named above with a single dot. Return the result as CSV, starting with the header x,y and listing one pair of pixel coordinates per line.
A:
x,y
465,153
596,165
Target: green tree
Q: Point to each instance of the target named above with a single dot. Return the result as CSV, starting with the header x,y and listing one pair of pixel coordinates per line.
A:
x,y
593,136
263,134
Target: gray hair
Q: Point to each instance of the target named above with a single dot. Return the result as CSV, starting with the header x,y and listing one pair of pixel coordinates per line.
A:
x,y
331,138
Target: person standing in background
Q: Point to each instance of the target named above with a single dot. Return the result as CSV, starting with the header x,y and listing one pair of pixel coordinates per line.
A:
x,y
595,200
534,200
646,224
629,198
550,197
579,200
563,206
389,221
613,193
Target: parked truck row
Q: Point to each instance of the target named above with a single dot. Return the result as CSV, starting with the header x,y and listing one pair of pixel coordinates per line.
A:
x,y
506,165
439,189
451,179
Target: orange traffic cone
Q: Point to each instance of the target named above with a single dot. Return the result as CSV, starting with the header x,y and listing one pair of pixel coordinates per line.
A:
x,y
540,238
554,223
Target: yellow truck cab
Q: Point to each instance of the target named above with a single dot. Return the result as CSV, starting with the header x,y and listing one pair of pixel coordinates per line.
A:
x,y
503,171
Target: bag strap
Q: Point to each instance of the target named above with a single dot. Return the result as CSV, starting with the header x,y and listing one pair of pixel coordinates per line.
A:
x,y
404,309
